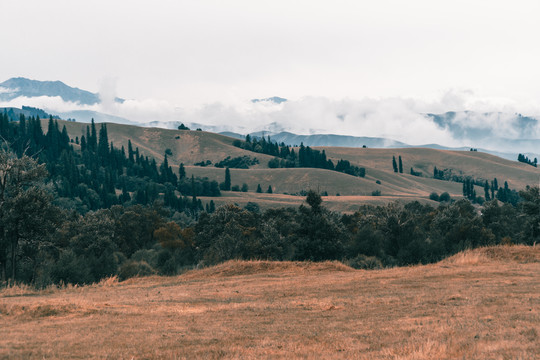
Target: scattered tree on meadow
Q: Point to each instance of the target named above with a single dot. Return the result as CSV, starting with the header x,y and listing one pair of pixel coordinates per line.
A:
x,y
226,185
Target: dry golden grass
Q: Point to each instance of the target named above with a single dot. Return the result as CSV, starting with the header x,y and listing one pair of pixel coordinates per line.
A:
x,y
469,163
342,204
481,304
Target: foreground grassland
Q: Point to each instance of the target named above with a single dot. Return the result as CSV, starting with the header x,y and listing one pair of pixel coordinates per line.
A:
x,y
478,304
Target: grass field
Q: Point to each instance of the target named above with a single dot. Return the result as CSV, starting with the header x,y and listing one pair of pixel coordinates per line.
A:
x,y
481,304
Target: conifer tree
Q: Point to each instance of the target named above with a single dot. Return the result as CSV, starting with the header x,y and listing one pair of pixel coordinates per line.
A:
x,y
130,152
400,165
103,147
181,171
93,137
486,191
394,164
226,185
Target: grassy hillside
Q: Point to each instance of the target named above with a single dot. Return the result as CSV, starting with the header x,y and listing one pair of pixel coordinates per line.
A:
x,y
190,147
481,304
470,163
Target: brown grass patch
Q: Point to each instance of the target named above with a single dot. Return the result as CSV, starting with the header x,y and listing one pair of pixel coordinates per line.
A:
x,y
483,304
517,253
239,267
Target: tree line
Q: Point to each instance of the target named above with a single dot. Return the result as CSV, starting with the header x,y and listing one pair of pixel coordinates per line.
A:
x,y
286,157
524,159
90,173
69,215
43,243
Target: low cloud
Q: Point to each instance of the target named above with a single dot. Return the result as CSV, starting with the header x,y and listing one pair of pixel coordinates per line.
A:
x,y
398,119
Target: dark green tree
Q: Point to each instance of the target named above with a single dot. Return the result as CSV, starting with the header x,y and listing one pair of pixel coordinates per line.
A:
x,y
181,171
394,164
314,200
226,185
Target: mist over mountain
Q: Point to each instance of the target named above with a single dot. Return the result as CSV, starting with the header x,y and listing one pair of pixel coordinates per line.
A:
x,y
22,87
313,121
273,99
473,125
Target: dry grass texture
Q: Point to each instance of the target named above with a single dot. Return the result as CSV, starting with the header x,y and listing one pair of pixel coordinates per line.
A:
x,y
478,304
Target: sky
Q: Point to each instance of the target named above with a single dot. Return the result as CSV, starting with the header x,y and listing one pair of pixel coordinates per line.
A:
x,y
185,56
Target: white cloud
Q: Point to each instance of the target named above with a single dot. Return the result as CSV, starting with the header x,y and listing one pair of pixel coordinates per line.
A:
x,y
5,90
394,118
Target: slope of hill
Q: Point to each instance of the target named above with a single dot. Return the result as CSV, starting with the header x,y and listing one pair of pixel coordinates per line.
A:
x,y
469,163
480,304
190,147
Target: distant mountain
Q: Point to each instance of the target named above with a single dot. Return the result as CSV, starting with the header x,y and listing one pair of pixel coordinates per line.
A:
x,y
88,115
273,99
475,125
17,87
331,140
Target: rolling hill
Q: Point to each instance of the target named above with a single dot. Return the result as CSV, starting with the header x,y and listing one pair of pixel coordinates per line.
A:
x,y
190,147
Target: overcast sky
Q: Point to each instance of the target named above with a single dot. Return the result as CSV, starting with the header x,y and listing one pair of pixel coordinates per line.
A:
x,y
202,51
365,68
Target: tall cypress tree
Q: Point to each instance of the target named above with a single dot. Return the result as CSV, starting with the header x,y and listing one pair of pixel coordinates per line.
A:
x,y
164,169
83,143
130,152
400,165
394,164
103,149
182,171
226,185
92,141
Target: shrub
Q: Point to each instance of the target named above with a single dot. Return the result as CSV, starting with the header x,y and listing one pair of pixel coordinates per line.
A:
x,y
150,256
376,193
434,196
365,262
132,268
444,197
166,263
252,207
